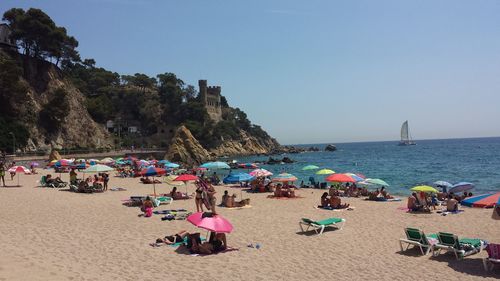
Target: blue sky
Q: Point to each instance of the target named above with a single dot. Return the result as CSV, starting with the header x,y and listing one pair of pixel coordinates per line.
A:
x,y
311,71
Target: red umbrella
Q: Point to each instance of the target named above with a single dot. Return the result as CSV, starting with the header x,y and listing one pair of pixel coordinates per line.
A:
x,y
185,178
339,178
19,169
214,223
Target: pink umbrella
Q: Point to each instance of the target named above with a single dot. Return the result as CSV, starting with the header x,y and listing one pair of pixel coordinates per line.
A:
x,y
339,178
260,173
19,169
215,223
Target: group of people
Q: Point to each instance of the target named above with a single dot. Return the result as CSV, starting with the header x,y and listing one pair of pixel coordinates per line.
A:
x,y
98,182
332,202
230,201
423,202
284,190
261,184
216,242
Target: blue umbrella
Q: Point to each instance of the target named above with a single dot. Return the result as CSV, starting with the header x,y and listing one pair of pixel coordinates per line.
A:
x,y
461,187
163,162
239,177
215,165
171,165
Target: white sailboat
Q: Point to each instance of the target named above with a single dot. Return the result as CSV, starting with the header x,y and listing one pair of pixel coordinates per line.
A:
x,y
405,135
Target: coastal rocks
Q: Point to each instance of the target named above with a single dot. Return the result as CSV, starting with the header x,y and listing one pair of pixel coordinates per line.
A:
x,y
185,148
54,155
246,144
272,161
330,147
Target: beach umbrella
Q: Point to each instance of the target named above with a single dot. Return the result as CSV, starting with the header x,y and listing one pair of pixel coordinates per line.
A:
x,y
152,172
284,177
185,178
443,184
482,201
172,165
107,160
260,173
164,161
98,168
19,169
461,187
375,182
238,177
325,172
214,223
248,166
215,165
355,177
171,180
34,164
63,163
310,167
424,188
339,178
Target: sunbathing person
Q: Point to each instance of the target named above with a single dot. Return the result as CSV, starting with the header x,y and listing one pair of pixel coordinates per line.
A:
x,y
336,203
232,203
412,204
195,246
225,197
451,204
385,194
277,190
289,191
177,195
325,202
217,242
172,239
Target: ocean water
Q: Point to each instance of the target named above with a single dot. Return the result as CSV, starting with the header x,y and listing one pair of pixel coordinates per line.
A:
x,y
454,160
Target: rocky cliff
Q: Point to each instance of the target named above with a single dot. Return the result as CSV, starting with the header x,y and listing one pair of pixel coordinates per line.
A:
x,y
245,145
185,148
74,129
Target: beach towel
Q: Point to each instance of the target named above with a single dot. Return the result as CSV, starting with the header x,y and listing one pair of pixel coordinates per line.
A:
x,y
284,198
350,208
382,199
237,208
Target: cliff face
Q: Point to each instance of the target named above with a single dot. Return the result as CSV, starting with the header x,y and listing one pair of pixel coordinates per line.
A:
x,y
185,148
75,128
245,145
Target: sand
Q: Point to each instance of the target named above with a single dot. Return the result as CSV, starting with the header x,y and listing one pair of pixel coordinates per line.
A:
x,y
51,234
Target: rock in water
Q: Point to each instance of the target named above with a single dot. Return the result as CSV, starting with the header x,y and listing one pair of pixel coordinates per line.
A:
x,y
185,148
330,147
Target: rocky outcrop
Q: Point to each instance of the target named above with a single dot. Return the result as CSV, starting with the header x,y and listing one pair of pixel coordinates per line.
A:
x,y
245,145
75,130
54,155
330,147
185,148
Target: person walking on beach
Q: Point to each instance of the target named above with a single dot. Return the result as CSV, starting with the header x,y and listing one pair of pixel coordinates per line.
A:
x,y
2,172
105,179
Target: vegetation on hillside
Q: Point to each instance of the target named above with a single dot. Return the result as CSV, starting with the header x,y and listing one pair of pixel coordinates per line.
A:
x,y
145,101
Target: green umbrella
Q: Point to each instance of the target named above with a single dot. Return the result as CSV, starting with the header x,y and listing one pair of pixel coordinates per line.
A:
x,y
424,188
98,168
325,172
376,182
310,167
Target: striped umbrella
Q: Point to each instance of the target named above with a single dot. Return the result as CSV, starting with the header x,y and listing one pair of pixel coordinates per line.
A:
x,y
356,177
284,177
482,201
260,173
152,172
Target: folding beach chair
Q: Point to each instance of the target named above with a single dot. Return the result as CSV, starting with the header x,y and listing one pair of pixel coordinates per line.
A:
x,y
460,247
493,256
417,238
319,226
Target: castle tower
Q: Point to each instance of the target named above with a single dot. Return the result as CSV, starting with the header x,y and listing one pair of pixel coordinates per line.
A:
x,y
211,99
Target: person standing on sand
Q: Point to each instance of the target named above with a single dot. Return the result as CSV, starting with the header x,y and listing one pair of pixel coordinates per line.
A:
x,y
2,172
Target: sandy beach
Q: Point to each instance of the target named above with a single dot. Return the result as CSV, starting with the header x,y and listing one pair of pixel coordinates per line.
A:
x,y
52,234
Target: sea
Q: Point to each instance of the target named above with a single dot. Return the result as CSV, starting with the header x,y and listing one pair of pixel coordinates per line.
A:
x,y
475,160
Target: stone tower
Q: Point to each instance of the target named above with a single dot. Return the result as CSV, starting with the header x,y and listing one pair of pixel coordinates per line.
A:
x,y
210,96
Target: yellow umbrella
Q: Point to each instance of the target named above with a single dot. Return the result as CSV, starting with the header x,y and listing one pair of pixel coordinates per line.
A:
x,y
424,188
170,180
325,172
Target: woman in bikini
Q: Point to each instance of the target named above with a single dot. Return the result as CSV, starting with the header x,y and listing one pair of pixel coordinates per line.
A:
x,y
199,198
172,239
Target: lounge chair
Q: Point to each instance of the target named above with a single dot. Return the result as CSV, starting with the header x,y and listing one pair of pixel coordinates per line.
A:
x,y
493,256
416,237
460,247
319,226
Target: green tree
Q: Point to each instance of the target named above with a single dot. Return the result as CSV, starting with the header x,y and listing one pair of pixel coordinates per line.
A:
x,y
54,112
